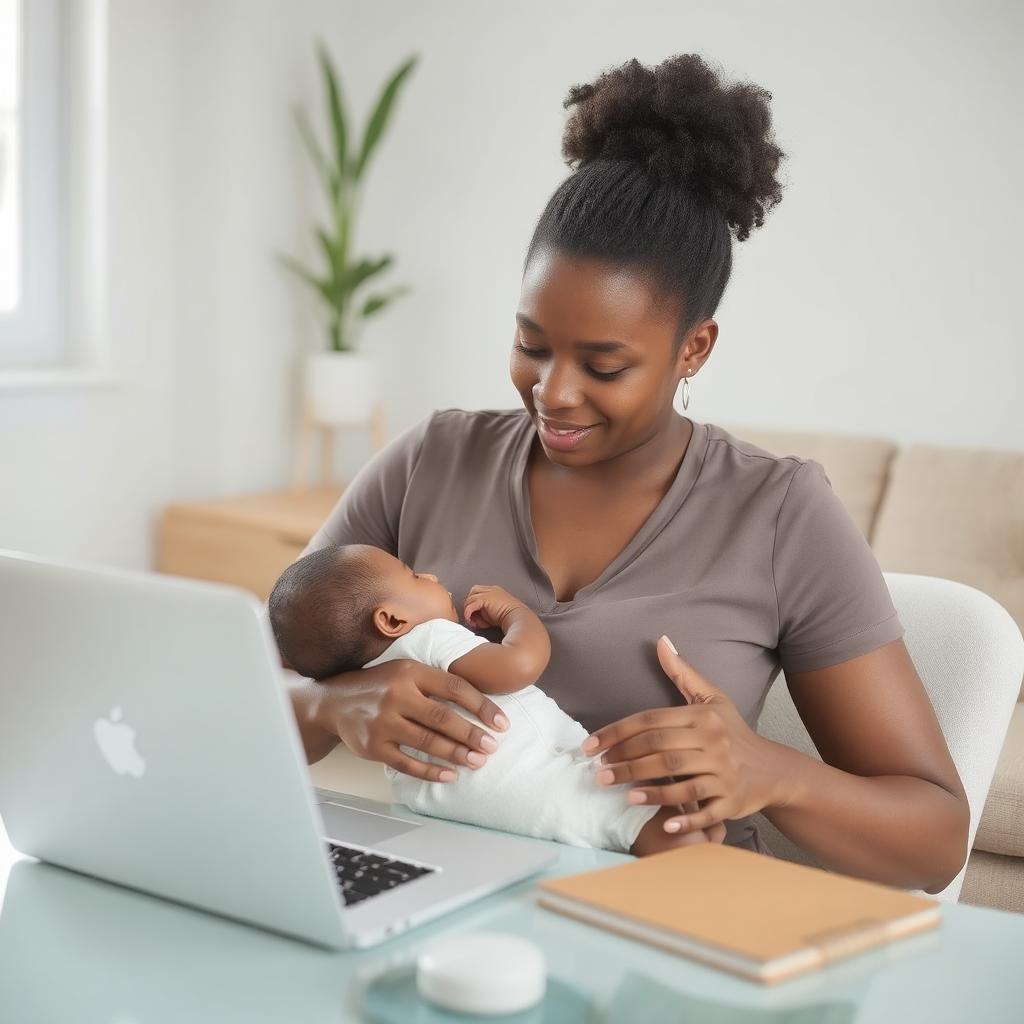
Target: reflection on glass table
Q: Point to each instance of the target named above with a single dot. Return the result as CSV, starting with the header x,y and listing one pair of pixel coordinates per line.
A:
x,y
73,948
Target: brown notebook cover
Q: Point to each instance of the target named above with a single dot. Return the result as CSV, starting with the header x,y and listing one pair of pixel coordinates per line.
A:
x,y
760,917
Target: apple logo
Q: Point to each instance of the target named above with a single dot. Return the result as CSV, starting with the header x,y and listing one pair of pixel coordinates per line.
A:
x,y
116,740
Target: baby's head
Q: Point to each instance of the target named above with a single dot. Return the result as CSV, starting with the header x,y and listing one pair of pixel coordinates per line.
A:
x,y
337,608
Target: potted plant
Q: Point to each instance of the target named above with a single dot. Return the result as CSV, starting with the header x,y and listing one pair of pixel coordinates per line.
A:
x,y
339,381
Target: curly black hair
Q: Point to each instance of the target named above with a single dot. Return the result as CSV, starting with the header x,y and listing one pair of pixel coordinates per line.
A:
x,y
667,163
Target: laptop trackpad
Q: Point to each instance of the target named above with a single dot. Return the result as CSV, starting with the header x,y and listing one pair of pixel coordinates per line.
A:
x,y
346,824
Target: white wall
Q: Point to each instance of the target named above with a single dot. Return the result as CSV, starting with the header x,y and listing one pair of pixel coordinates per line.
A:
x,y
878,298
82,470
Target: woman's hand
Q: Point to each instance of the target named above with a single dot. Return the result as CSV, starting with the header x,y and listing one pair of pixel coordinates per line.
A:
x,y
652,838
712,834
376,710
730,769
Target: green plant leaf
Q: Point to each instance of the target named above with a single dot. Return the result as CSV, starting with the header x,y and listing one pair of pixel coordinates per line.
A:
x,y
375,303
340,174
333,256
342,215
382,112
362,270
323,287
336,110
328,177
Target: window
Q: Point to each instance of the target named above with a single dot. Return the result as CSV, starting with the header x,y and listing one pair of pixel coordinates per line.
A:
x,y
10,186
52,184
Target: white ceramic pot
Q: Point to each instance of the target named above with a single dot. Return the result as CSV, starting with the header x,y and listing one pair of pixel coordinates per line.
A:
x,y
341,387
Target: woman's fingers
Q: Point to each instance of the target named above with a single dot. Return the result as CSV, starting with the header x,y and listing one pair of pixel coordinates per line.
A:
x,y
708,816
419,737
458,691
432,714
691,838
653,741
642,721
716,833
413,766
656,766
702,787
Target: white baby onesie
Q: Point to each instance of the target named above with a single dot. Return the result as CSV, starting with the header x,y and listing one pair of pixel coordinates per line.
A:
x,y
537,782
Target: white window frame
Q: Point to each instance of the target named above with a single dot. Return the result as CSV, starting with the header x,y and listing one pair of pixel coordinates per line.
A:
x,y
58,336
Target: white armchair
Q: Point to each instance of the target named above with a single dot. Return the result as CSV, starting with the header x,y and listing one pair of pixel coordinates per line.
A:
x,y
969,653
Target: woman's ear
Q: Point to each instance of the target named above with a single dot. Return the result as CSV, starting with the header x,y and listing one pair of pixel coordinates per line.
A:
x,y
284,663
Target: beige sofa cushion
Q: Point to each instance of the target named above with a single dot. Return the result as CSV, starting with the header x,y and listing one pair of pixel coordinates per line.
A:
x,y
956,513
1001,829
994,881
856,466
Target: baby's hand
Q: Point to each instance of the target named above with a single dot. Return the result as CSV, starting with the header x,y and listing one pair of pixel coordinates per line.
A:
x,y
489,606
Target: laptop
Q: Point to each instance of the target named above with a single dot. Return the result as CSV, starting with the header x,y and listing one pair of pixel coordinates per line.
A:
x,y
146,738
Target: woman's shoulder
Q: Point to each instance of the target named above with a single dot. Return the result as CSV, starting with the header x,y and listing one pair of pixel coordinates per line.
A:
x,y
483,430
747,450
469,419
735,458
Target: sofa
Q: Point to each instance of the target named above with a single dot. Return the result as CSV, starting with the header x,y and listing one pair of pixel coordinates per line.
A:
x,y
957,513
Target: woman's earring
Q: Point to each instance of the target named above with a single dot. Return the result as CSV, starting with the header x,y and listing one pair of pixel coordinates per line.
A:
x,y
686,393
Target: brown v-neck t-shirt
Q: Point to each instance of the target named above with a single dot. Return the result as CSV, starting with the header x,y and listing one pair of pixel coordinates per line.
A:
x,y
749,563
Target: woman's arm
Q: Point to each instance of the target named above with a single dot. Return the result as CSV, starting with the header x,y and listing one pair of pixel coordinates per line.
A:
x,y
317,741
886,802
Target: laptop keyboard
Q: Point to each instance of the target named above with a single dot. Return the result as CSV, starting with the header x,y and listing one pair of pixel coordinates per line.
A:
x,y
362,874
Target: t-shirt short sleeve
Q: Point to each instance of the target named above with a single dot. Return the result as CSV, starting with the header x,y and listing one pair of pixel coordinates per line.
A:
x,y
436,642
833,601
450,641
370,507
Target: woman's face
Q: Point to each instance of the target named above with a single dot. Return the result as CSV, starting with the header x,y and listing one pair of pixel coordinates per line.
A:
x,y
590,352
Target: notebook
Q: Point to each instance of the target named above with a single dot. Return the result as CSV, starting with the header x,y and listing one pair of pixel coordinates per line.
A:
x,y
760,917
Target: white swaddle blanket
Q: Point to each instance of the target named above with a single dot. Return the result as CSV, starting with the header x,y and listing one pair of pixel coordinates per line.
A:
x,y
537,783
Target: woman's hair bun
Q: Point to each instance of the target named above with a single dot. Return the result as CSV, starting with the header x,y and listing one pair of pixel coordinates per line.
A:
x,y
686,128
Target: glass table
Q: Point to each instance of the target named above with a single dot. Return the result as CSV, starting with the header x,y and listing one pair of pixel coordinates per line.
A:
x,y
76,949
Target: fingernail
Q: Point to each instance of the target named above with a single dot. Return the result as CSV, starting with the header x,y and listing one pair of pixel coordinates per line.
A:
x,y
637,796
475,759
606,776
673,826
588,744
671,646
447,775
500,722
489,743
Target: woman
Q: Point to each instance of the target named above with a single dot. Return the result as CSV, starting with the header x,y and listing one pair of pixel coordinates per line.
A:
x,y
619,521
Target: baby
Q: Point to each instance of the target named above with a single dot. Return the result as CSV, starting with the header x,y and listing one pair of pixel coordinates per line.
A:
x,y
354,606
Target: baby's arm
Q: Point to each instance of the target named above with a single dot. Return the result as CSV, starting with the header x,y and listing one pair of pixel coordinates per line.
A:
x,y
521,657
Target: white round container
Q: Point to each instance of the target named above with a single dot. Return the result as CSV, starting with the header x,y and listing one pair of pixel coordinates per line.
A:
x,y
484,973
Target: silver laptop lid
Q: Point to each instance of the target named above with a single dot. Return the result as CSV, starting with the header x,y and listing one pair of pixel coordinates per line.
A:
x,y
146,738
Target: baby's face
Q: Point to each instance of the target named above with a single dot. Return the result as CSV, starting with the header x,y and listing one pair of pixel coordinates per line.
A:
x,y
419,595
